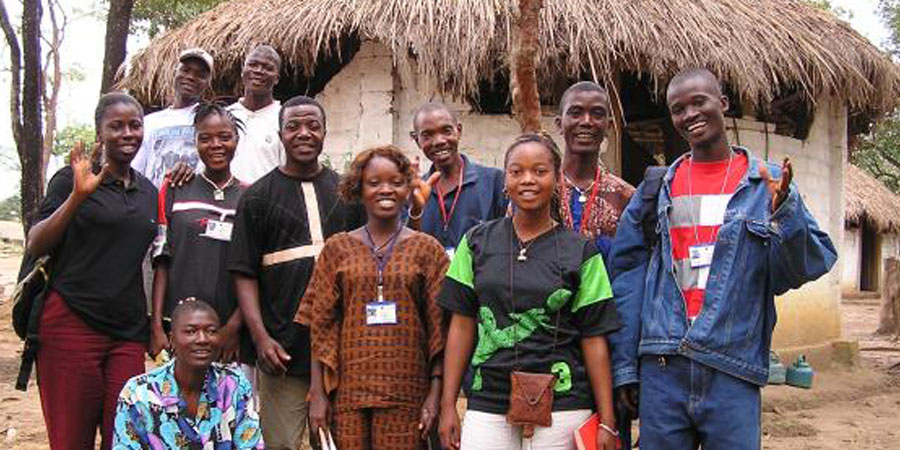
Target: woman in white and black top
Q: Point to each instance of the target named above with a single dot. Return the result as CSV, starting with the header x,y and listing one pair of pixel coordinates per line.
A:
x,y
190,251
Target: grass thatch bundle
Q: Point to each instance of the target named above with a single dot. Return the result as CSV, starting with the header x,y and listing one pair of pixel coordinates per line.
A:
x,y
758,46
869,199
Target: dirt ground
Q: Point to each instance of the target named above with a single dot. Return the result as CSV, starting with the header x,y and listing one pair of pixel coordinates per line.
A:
x,y
848,409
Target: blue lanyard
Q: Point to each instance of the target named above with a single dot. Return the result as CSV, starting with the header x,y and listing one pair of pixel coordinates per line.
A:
x,y
381,258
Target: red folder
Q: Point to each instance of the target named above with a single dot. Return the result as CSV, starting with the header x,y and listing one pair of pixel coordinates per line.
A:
x,y
586,434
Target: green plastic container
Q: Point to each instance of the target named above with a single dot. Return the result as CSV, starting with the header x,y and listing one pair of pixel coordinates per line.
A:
x,y
800,374
777,371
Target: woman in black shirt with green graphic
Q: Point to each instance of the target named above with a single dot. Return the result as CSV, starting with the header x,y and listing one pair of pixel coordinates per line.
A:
x,y
538,296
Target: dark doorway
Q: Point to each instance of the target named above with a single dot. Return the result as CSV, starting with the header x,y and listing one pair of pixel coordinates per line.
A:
x,y
870,258
649,138
294,80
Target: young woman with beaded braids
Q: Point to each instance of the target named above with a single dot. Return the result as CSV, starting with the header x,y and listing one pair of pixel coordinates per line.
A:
x,y
195,220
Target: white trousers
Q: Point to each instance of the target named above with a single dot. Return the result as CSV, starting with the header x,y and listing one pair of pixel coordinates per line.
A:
x,y
486,431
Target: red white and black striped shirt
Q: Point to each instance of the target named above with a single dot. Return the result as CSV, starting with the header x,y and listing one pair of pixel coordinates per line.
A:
x,y
700,196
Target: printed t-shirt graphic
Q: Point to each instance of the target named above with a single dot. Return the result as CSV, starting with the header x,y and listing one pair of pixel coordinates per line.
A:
x,y
168,139
694,220
563,275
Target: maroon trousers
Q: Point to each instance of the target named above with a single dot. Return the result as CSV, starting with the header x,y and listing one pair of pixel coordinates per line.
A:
x,y
80,373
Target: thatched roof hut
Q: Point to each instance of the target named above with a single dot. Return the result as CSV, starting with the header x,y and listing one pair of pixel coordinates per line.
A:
x,y
760,47
870,200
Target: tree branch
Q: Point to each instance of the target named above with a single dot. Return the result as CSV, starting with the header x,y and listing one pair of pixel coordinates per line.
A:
x,y
15,68
52,85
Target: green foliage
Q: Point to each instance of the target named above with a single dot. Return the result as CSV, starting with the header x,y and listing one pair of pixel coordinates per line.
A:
x,y
889,10
66,138
156,16
842,13
11,208
878,152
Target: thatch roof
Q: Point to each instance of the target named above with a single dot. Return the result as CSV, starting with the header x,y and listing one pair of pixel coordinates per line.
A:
x,y
869,199
758,46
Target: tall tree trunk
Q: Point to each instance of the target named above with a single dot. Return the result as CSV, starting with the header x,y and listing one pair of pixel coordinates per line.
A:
x,y
117,22
29,145
526,101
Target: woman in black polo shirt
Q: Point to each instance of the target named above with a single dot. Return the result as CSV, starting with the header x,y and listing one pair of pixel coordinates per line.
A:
x,y
96,224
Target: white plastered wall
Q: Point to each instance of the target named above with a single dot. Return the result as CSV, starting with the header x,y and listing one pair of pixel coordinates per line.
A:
x,y
809,315
371,101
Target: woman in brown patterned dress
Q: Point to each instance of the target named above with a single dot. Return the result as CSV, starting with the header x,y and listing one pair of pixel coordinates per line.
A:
x,y
375,326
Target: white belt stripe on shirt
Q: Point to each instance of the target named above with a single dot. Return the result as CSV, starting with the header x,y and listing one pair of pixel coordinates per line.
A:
x,y
315,231
187,206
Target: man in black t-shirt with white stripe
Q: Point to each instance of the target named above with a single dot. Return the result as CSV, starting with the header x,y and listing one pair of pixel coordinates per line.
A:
x,y
282,222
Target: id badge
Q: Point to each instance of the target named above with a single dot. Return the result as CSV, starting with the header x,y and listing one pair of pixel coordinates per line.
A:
x,y
218,230
701,255
450,251
381,313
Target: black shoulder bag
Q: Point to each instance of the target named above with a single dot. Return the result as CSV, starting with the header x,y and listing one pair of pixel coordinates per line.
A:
x,y
28,303
653,178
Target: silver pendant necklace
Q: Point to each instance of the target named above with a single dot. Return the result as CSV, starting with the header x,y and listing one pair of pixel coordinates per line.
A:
x,y
582,193
523,247
218,192
522,256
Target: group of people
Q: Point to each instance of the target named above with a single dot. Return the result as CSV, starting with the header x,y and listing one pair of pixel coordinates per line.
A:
x,y
298,304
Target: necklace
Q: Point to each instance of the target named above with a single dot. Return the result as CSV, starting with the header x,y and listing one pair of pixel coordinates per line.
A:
x,y
218,192
376,249
566,207
523,246
582,193
447,215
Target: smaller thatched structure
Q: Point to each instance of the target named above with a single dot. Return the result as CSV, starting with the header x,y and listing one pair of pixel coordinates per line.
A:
x,y
867,199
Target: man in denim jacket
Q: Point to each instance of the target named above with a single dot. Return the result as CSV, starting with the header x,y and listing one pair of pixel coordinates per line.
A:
x,y
698,306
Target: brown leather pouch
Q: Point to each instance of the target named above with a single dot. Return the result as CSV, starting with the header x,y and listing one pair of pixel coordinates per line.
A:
x,y
530,400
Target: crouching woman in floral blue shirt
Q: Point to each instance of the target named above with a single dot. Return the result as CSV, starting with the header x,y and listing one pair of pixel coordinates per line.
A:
x,y
190,402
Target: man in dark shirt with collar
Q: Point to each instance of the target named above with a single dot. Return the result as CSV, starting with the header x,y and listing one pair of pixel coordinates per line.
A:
x,y
281,224
466,193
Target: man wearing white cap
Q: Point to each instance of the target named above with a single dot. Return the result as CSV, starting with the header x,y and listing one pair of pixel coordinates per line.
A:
x,y
169,133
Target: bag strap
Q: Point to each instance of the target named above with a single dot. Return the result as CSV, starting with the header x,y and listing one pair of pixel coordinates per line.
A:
x,y
653,178
32,344
512,296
